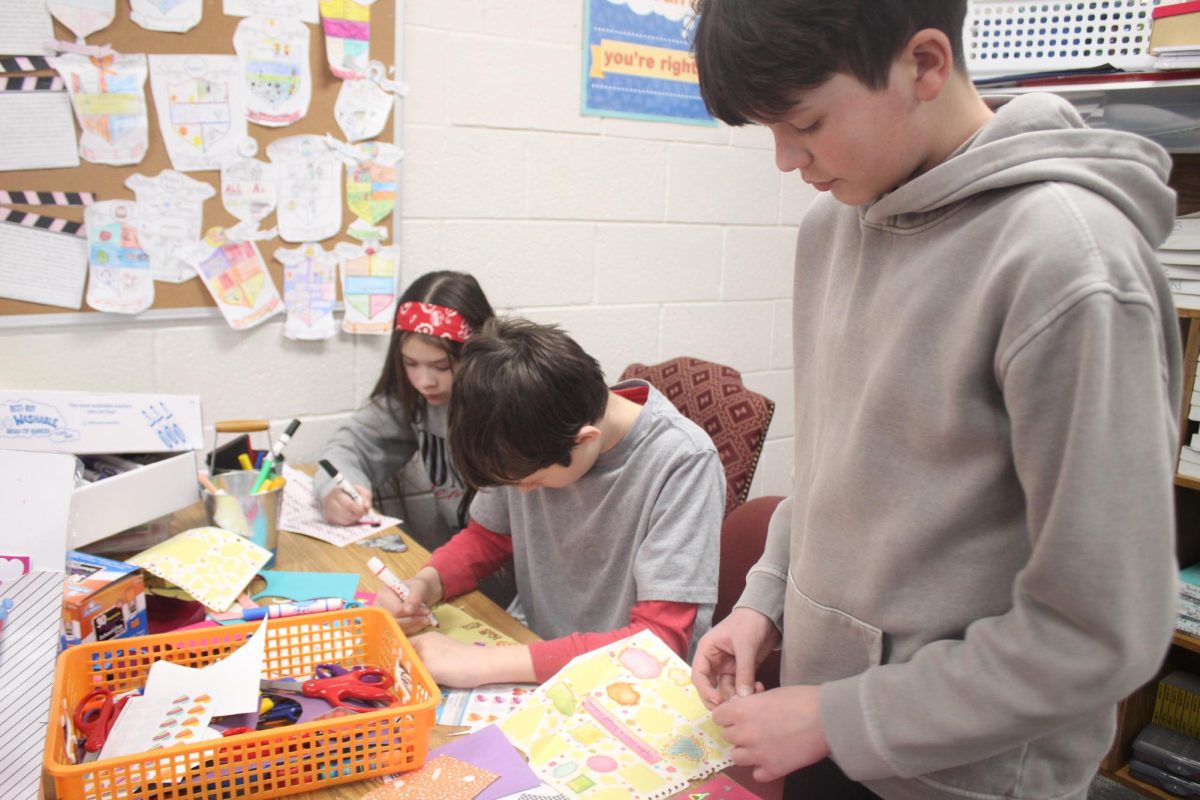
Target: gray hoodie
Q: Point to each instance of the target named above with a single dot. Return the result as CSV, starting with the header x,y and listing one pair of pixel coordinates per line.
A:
x,y
978,562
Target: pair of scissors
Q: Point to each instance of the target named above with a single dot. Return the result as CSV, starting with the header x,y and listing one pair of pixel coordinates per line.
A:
x,y
94,718
353,690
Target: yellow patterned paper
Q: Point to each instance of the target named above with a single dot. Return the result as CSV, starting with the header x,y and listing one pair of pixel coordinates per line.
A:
x,y
461,626
211,564
621,722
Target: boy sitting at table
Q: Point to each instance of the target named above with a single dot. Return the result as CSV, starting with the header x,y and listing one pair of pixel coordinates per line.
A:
x,y
608,502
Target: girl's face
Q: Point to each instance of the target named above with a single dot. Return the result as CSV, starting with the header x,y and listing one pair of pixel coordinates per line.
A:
x,y
428,368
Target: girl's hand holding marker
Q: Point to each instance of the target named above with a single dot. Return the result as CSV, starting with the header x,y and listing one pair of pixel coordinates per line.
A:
x,y
350,506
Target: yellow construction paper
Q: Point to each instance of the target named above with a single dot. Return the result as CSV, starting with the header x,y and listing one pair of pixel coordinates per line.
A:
x,y
213,565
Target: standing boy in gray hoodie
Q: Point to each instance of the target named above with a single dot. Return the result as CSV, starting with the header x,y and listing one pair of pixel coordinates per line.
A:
x,y
977,561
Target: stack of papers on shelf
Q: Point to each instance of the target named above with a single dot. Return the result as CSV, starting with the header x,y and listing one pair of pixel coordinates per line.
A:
x,y
1188,604
1180,257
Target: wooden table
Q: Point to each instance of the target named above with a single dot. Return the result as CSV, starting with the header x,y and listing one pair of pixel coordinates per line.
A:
x,y
300,553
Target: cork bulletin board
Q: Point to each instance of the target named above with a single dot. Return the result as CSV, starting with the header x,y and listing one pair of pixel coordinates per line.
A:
x,y
213,35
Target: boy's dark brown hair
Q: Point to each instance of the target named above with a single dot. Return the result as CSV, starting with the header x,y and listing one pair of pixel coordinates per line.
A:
x,y
753,56
521,394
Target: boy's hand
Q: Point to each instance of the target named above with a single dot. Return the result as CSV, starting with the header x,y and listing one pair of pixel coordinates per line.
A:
x,y
413,613
465,666
776,732
339,509
728,656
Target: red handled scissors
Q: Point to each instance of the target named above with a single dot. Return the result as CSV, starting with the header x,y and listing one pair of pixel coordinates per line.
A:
x,y
354,690
94,718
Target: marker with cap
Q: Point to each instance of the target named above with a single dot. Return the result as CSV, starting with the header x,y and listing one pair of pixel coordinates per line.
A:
x,y
395,584
276,451
276,610
348,489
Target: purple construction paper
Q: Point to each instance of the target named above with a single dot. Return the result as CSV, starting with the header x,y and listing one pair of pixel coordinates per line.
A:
x,y
490,749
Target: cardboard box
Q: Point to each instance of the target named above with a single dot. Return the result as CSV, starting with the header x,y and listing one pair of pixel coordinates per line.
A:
x,y
99,422
102,599
91,423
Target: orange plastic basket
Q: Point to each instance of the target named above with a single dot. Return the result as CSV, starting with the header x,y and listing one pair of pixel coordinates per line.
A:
x,y
271,763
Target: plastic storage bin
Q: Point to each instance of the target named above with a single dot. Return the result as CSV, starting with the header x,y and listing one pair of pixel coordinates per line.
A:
x,y
1169,750
1174,784
1001,37
271,763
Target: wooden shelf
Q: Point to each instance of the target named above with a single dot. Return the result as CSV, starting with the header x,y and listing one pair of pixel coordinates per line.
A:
x,y
1124,777
1186,641
1187,483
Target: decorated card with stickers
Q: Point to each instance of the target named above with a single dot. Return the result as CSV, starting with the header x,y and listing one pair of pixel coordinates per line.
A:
x,y
201,108
309,290
108,95
347,26
277,79
234,274
369,274
309,187
370,185
364,105
248,188
622,721
119,278
83,17
303,10
170,212
169,16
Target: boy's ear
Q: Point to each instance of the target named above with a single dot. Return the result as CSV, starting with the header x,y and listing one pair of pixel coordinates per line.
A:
x,y
929,57
587,433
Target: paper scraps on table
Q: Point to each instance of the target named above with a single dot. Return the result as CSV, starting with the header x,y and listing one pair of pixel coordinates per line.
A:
x,y
624,719
488,749
457,623
296,587
482,706
301,514
309,290
210,564
542,792
442,778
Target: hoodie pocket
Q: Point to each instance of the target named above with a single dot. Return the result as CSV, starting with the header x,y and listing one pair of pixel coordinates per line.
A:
x,y
823,643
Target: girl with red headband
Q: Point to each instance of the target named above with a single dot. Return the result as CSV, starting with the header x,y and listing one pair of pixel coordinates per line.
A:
x,y
406,414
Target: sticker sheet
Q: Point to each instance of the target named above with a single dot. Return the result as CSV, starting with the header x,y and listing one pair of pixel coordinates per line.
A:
x,y
621,722
119,279
303,10
211,564
277,80
310,188
169,16
442,778
310,291
301,514
248,189
370,186
108,95
362,108
170,210
347,26
201,108
477,708
83,17
369,276
236,277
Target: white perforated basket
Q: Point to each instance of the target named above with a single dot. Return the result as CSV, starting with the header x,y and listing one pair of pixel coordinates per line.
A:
x,y
1002,37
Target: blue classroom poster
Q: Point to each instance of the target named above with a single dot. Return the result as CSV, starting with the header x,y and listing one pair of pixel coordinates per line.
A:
x,y
636,62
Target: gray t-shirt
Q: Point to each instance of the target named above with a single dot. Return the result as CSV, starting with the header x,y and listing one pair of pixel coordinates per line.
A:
x,y
643,523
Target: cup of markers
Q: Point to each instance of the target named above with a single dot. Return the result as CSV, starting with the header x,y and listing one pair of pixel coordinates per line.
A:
x,y
235,506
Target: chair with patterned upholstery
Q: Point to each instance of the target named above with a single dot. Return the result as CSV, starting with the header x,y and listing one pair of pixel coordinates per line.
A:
x,y
714,397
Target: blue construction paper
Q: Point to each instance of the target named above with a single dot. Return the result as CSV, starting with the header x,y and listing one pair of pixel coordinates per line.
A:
x,y
297,586
490,749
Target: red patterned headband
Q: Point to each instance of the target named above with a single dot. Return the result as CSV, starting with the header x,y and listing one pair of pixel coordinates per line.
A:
x,y
432,320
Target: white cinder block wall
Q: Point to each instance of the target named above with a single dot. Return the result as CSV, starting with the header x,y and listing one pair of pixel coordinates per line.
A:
x,y
644,240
